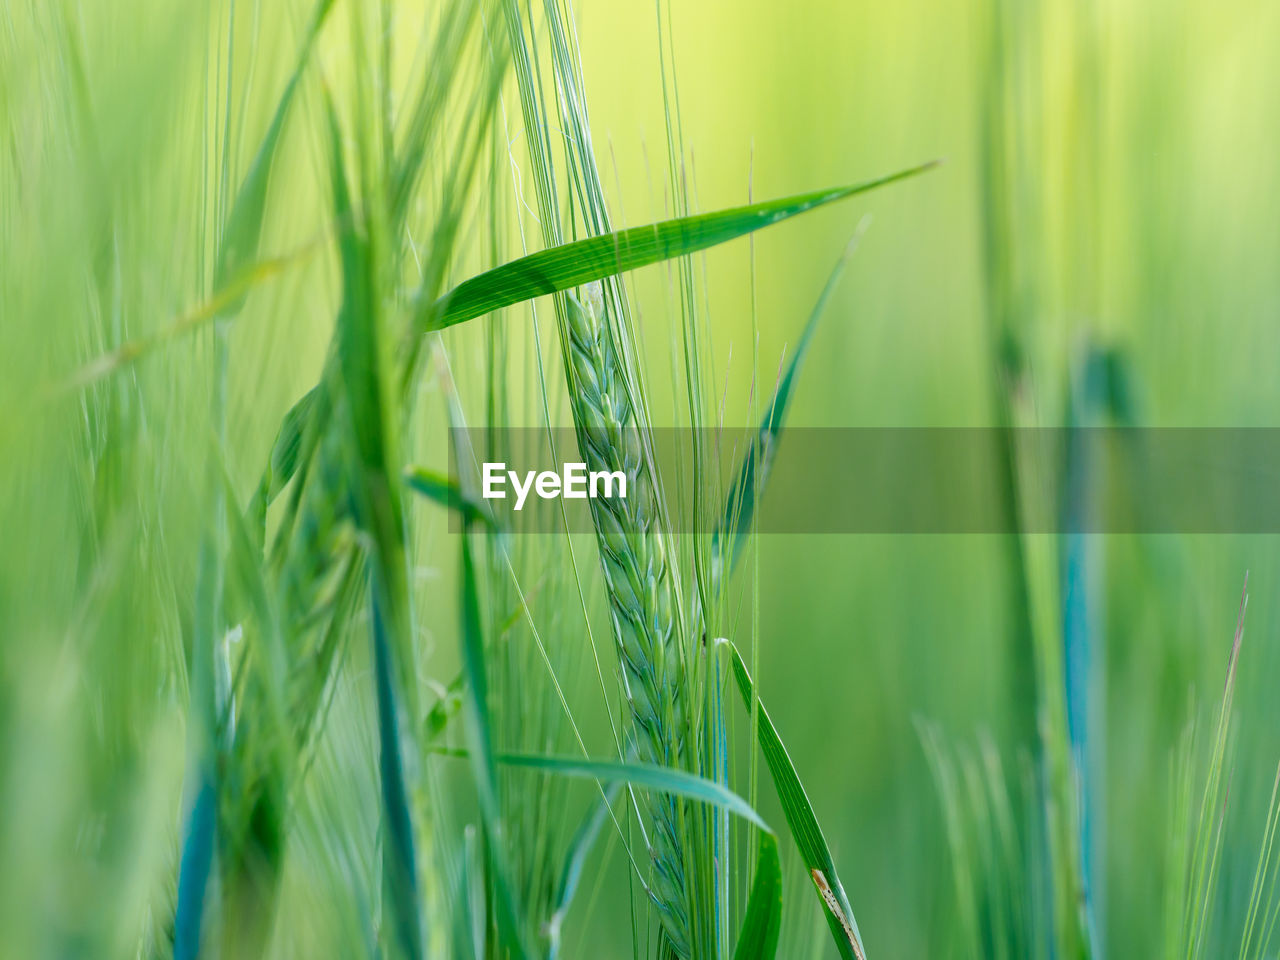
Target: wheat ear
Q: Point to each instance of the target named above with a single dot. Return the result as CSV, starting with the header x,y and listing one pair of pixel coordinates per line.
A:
x,y
639,580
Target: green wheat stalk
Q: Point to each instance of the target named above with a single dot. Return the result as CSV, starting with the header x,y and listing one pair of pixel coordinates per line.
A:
x,y
639,581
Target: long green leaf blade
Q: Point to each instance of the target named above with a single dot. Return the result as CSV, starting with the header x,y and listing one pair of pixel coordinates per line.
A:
x,y
802,821
377,509
479,735
573,264
649,776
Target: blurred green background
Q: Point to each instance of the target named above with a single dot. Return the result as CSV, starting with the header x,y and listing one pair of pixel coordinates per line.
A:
x,y
1110,182
1143,195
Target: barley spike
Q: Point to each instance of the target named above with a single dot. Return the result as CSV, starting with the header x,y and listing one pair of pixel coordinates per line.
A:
x,y
639,581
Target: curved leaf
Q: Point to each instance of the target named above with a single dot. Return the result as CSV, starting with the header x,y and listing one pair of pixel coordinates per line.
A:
x,y
754,472
575,861
650,776
802,821
573,264
446,491
647,775
758,938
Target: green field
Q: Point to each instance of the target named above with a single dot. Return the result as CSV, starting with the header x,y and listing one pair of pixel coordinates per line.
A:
x,y
275,682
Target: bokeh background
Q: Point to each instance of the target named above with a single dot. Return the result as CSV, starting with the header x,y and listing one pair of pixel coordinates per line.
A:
x,y
1110,184
1125,146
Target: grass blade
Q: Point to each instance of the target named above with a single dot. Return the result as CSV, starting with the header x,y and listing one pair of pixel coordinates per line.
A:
x,y
479,734
224,302
573,264
195,865
1095,391
400,858
758,938
802,821
377,507
286,455
754,472
194,869
446,491
646,775
469,907
239,243
476,687
575,861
